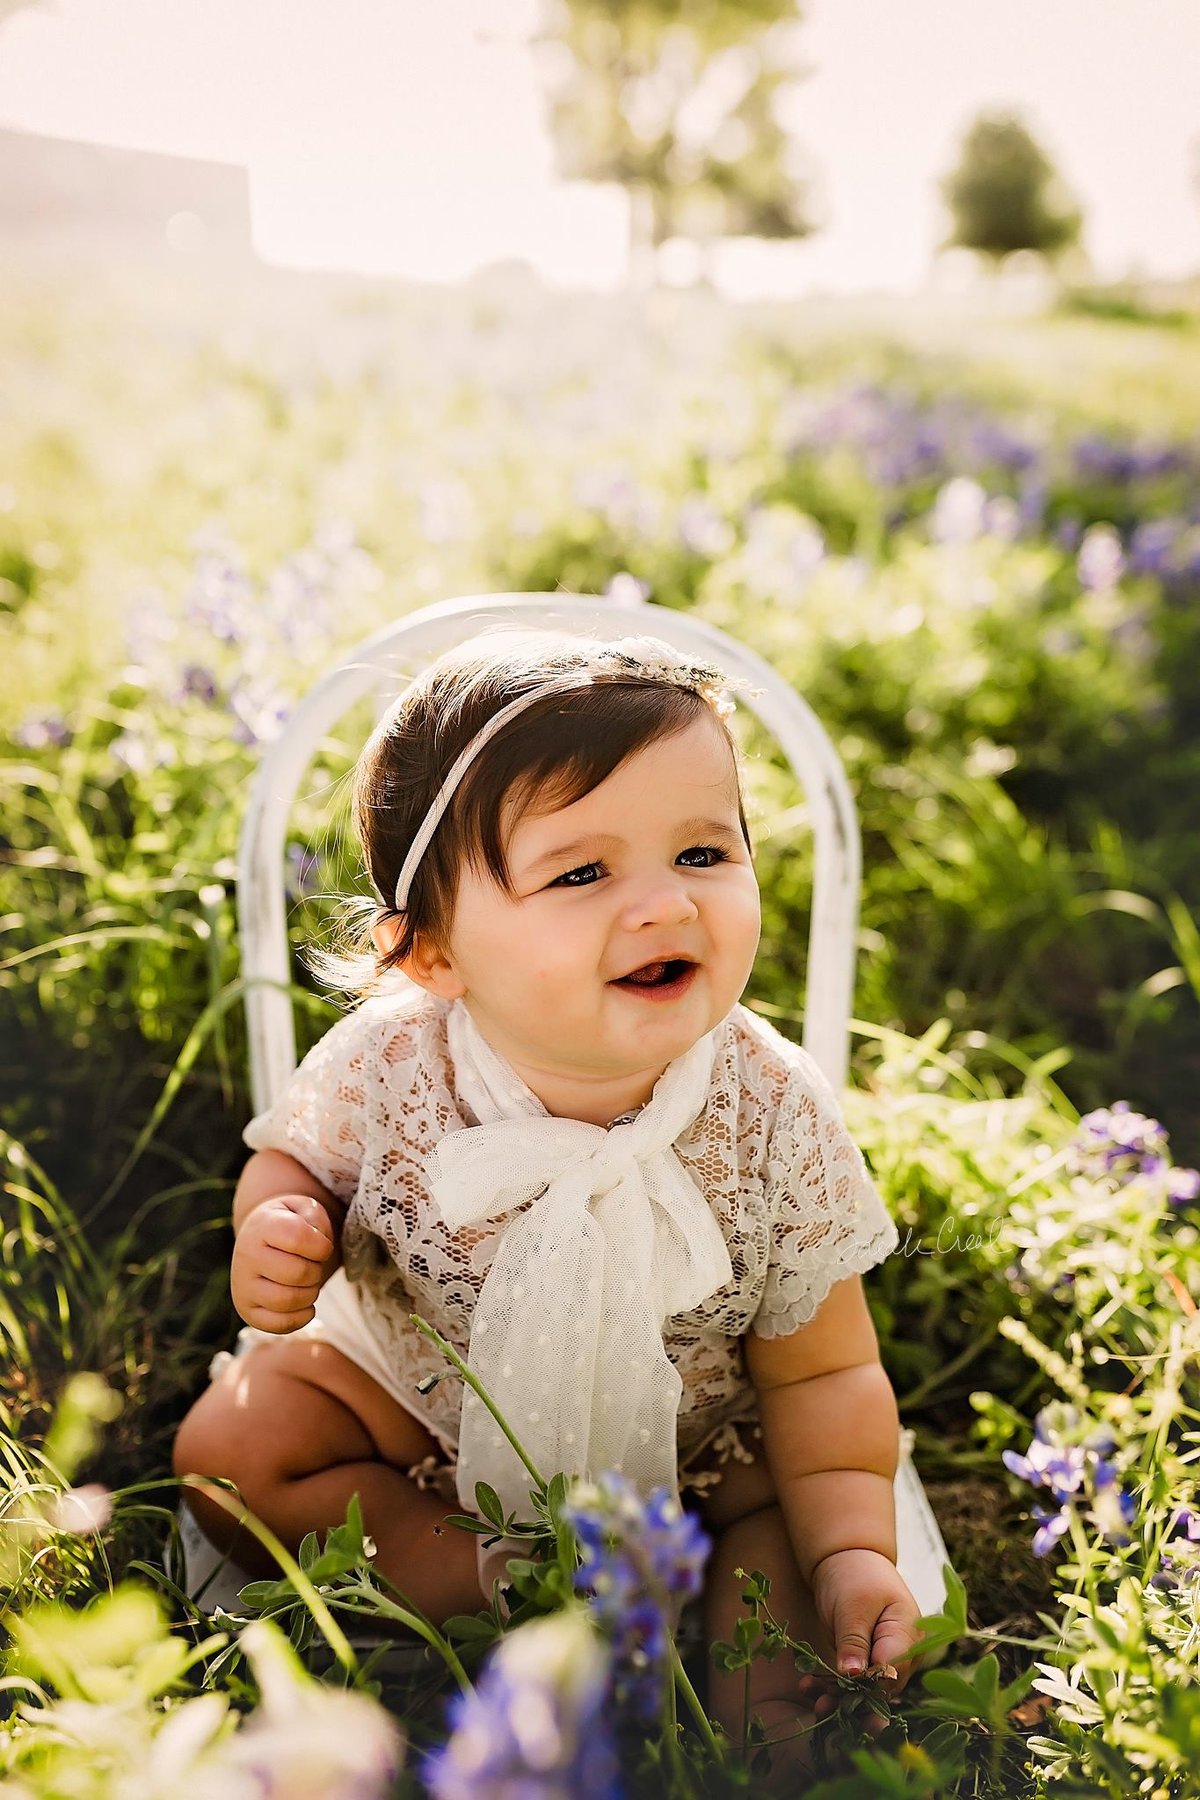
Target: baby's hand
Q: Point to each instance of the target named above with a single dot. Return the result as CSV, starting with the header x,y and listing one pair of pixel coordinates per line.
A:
x,y
279,1259
869,1613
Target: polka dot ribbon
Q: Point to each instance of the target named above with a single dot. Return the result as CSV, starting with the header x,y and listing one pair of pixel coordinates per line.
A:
x,y
600,1237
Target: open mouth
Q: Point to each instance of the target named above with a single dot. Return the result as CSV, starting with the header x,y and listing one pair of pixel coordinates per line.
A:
x,y
659,980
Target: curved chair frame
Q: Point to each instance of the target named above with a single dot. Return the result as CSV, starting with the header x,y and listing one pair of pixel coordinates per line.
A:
x,y
419,637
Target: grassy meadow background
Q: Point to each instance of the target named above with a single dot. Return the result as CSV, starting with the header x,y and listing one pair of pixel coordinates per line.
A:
x,y
970,537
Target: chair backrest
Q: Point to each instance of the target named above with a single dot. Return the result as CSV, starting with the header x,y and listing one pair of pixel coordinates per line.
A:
x,y
417,639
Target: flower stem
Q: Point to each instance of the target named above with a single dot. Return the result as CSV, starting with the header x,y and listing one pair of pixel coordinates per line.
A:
x,y
703,1722
473,1382
415,1621
333,1634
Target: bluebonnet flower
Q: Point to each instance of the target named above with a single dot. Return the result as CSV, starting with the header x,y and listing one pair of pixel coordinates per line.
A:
x,y
1118,1142
1186,1523
1152,547
1072,1461
641,1561
996,445
198,682
48,732
535,1726
259,708
303,873
1031,504
1183,1534
220,596
1183,1185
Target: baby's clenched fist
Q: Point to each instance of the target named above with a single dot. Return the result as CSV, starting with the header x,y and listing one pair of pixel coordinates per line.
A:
x,y
281,1260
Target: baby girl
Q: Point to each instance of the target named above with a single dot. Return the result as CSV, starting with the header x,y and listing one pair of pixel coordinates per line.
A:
x,y
553,1132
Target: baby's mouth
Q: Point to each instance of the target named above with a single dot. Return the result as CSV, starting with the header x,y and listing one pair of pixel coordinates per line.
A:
x,y
668,974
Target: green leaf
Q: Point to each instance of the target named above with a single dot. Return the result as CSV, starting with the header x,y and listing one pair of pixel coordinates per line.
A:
x,y
467,1522
987,1679
556,1499
488,1502
954,1692
470,1628
1018,1688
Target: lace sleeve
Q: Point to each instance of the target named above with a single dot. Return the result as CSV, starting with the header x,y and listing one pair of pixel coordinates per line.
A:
x,y
320,1116
827,1220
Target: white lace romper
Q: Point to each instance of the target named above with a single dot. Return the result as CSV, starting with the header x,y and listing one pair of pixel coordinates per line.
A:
x,y
769,1151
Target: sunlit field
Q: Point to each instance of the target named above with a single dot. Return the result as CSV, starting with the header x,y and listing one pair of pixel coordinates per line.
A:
x,y
972,541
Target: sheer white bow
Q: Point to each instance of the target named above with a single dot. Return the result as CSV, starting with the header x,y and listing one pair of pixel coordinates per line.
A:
x,y
567,1331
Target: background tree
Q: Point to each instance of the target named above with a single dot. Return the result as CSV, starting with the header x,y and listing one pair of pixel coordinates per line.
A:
x,y
679,104
1006,194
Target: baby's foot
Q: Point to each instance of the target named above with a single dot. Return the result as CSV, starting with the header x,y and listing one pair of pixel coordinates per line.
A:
x,y
792,1725
789,1725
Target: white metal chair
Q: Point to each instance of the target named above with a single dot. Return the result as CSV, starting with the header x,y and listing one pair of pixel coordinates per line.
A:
x,y
375,669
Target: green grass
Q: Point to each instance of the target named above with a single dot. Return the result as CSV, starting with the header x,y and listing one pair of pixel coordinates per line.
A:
x,y
1022,751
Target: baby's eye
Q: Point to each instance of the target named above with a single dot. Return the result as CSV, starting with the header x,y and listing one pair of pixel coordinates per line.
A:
x,y
709,851
568,880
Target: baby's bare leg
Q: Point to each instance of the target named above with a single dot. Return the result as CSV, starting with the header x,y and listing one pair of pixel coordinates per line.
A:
x,y
300,1428
748,1527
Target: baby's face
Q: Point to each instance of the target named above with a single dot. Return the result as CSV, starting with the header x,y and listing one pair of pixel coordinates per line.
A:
x,y
650,867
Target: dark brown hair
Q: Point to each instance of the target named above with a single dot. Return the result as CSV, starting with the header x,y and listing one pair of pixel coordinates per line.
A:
x,y
553,753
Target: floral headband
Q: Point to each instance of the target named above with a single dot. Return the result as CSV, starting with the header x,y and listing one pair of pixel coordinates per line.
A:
x,y
646,659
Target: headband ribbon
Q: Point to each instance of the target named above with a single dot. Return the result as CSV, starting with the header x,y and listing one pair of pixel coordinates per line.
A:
x,y
645,658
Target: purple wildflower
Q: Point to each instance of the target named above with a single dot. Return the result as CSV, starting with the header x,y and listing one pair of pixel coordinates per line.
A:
x,y
1113,1507
641,1561
534,1728
1183,1534
1031,504
1115,1140
1183,1186
303,873
1186,1523
1072,1461
48,732
197,682
1152,546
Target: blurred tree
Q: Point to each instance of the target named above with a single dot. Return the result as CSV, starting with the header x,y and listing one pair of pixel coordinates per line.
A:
x,y
1005,195
679,104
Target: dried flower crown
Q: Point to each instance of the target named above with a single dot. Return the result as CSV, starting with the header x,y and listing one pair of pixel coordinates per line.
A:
x,y
646,659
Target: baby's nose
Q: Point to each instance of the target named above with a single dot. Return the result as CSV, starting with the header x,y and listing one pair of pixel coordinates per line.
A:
x,y
665,900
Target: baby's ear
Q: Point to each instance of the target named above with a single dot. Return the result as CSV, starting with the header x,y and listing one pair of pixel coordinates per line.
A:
x,y
425,963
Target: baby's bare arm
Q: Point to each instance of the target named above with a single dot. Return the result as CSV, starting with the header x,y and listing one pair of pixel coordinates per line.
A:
x,y
288,1229
831,1429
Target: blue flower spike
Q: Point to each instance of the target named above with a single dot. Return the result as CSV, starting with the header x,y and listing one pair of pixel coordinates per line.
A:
x,y
1124,1145
641,1560
534,1728
1069,1455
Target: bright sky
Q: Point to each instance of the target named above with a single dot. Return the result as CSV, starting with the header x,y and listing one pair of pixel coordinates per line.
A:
x,y
409,139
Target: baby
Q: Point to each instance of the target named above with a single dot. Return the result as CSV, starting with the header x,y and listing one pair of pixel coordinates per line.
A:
x,y
553,1132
